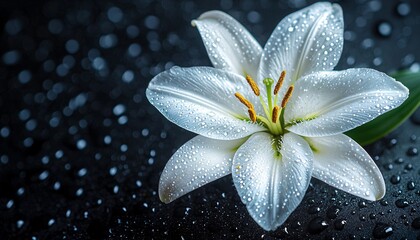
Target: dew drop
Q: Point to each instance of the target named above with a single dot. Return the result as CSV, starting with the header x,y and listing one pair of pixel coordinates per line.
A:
x,y
395,179
412,151
384,29
19,223
314,209
339,224
317,225
403,9
411,185
362,204
401,203
382,230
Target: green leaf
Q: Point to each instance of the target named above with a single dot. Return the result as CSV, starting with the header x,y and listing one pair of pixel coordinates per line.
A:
x,y
384,124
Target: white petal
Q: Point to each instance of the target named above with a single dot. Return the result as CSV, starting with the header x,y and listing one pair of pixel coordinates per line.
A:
x,y
344,164
202,100
229,45
328,103
272,185
198,162
304,42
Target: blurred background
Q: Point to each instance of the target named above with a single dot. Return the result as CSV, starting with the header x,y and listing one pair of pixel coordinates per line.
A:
x,y
81,149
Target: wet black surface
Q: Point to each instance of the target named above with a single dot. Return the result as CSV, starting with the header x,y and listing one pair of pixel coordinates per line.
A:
x,y
81,149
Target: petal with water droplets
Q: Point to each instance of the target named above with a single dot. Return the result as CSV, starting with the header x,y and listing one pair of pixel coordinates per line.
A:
x,y
344,164
304,42
198,162
202,100
329,103
229,45
272,183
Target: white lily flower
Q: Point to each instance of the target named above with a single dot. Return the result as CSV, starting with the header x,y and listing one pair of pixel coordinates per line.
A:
x,y
273,136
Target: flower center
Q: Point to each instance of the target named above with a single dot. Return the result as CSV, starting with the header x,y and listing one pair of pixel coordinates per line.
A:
x,y
273,119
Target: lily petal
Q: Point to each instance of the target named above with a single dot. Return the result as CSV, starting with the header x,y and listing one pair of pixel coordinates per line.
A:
x,y
329,103
344,164
198,162
202,100
272,184
307,41
229,45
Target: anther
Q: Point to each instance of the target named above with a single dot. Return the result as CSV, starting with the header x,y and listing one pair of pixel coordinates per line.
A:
x,y
279,82
243,100
287,96
275,114
253,85
252,115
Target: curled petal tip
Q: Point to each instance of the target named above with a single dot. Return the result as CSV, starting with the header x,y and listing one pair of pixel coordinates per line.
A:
x,y
164,199
164,196
193,23
380,194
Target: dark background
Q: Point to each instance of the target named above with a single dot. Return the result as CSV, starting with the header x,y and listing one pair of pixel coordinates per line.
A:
x,y
81,149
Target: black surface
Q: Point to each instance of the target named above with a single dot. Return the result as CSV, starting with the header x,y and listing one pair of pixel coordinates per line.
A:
x,y
74,164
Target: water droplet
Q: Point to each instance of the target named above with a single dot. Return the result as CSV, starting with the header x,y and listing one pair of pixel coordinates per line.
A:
x,y
362,204
82,172
118,109
108,41
313,210
72,46
411,185
11,57
253,17
401,203
382,230
412,151
395,179
81,144
128,76
19,223
4,132
10,204
51,222
403,9
399,160
339,224
384,29
115,14
152,22
24,76
317,225
112,171
44,175
391,143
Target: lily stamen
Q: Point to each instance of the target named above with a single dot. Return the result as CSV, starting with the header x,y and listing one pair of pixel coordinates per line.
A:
x,y
253,85
244,101
275,114
252,115
279,82
287,96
